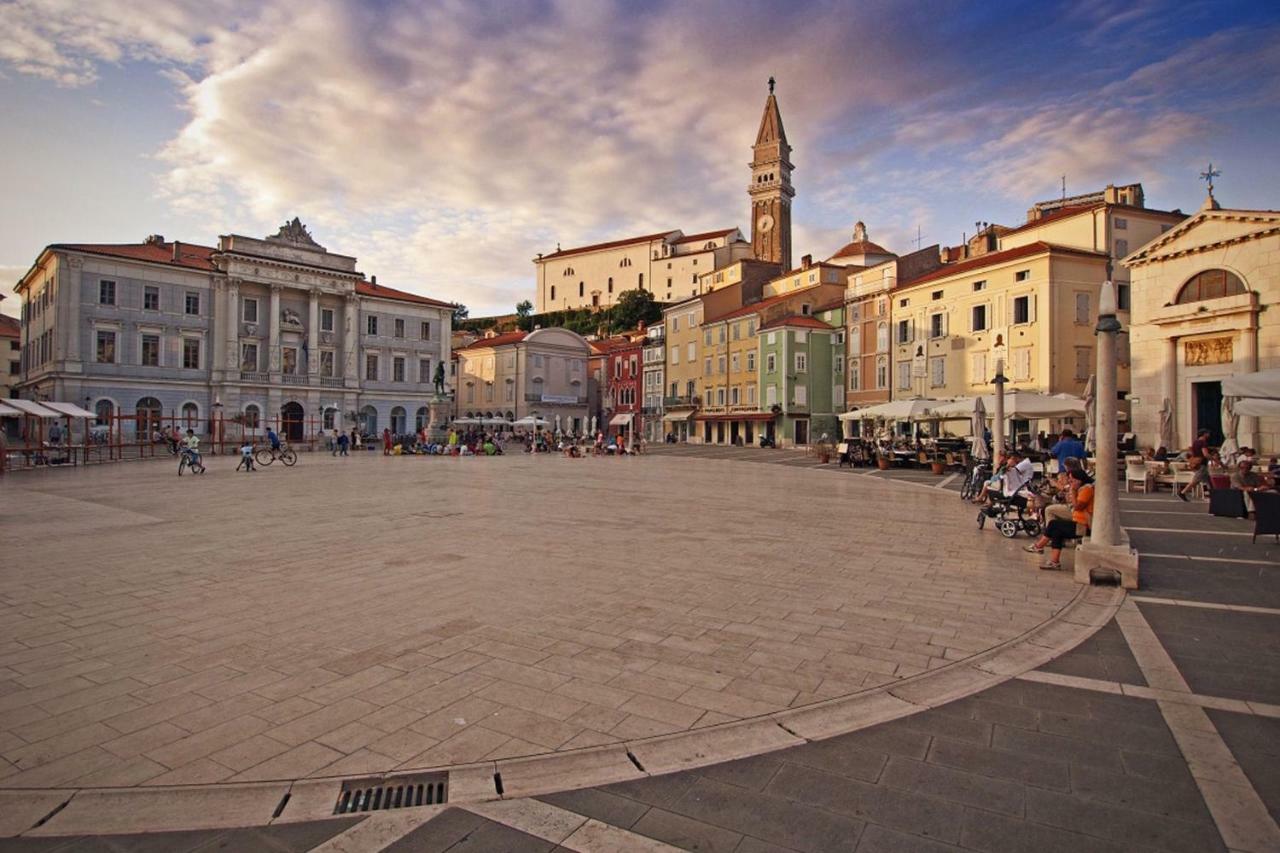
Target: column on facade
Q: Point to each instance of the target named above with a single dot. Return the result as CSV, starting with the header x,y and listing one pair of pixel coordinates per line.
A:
x,y
350,338
69,295
1247,434
273,342
230,326
313,333
1168,386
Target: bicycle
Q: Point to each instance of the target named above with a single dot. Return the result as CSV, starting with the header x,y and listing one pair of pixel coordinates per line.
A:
x,y
187,459
264,456
972,485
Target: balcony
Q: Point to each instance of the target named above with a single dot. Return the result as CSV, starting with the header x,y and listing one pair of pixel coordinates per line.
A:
x,y
253,376
682,400
331,382
294,379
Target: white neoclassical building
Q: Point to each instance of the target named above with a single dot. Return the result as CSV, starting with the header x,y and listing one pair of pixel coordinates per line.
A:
x,y
274,329
1205,306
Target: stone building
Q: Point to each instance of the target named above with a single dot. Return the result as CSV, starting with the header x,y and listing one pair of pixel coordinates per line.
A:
x,y
273,330
11,360
1205,306
541,373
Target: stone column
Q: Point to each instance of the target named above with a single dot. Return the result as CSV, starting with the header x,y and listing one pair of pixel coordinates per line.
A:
x,y
1247,434
350,341
313,334
231,328
1168,386
273,341
997,425
1107,549
69,295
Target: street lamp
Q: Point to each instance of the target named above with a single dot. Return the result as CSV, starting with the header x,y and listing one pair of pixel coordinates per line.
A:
x,y
997,428
216,426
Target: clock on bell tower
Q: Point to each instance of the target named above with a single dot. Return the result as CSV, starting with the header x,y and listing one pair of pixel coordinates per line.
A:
x,y
770,190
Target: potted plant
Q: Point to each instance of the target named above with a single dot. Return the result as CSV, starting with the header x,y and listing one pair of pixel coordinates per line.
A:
x,y
884,459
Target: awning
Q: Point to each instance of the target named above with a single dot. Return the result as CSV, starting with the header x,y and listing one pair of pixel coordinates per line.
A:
x,y
9,411
70,410
677,416
739,416
620,420
35,409
898,410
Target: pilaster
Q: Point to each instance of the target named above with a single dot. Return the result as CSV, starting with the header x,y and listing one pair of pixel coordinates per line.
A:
x,y
273,343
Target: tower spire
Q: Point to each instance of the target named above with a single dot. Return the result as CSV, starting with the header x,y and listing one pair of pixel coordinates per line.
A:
x,y
770,189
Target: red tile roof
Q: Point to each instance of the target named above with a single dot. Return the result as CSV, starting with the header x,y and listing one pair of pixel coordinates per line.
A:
x,y
756,307
10,327
190,255
1060,213
382,292
612,244
861,247
707,235
994,258
495,341
803,321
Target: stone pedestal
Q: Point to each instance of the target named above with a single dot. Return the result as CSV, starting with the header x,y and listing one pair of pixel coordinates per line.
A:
x,y
1120,559
438,413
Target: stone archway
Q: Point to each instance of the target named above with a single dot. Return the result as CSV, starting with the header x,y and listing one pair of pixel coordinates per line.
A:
x,y
292,421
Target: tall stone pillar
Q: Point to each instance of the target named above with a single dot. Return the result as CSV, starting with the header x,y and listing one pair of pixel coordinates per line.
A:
x,y
313,334
231,328
1247,434
273,342
350,341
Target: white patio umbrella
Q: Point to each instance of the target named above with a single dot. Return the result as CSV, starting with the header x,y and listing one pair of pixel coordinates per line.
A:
x,y
978,424
531,421
1230,426
1090,414
557,423
1166,425
898,410
1254,394
594,425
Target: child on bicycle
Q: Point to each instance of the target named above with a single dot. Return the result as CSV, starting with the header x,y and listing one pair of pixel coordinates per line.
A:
x,y
191,446
246,457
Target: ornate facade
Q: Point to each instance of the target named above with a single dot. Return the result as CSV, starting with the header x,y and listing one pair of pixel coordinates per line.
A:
x,y
770,190
274,329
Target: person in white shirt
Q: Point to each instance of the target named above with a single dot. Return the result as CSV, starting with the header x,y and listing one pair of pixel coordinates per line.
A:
x,y
1017,475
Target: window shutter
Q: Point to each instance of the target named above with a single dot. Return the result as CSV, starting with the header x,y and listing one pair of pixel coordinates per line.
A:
x,y
1031,308
945,317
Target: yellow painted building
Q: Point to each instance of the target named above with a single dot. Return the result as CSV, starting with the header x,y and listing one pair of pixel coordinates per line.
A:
x,y
1034,306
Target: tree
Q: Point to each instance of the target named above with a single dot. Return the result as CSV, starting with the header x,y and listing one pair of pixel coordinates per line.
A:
x,y
524,309
633,308
460,313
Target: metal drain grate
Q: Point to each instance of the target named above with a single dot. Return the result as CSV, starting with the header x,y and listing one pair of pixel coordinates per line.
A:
x,y
376,793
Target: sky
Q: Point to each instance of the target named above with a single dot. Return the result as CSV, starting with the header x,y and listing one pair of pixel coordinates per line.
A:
x,y
447,143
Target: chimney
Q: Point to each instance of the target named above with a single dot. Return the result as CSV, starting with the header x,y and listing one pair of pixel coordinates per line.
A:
x,y
373,279
806,262
154,240
177,251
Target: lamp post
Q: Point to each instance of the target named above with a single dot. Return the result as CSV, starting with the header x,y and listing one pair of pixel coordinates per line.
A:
x,y
997,428
216,426
1106,496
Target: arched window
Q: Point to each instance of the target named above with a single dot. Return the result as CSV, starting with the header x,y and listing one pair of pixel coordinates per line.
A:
x,y
103,409
611,284
190,414
330,420
1210,284
582,288
553,293
369,420
148,412
641,281
397,420
710,245
420,418
252,416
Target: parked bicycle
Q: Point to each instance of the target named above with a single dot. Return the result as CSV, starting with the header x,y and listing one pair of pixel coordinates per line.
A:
x,y
187,459
972,485
266,455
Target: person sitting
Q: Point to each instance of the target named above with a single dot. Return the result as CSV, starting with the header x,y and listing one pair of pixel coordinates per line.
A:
x,y
490,449
1248,481
1161,454
273,438
1057,531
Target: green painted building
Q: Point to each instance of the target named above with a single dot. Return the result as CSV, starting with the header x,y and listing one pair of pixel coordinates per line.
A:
x,y
797,357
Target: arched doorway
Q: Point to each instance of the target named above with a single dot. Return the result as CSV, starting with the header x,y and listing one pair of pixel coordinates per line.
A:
x,y
148,411
397,420
190,415
103,410
369,420
421,419
291,421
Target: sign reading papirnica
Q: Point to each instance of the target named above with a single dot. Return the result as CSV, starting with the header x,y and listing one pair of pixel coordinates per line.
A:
x,y
1210,351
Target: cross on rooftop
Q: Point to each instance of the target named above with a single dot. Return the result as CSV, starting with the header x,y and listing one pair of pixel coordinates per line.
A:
x,y
1208,175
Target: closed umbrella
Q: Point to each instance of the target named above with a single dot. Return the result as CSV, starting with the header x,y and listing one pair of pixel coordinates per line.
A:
x,y
557,424
1090,414
1166,425
979,426
1230,426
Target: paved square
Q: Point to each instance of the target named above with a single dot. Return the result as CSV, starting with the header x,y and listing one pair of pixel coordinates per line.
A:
x,y
364,614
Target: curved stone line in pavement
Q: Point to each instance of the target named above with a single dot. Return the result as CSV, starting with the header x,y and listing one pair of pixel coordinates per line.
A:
x,y
124,810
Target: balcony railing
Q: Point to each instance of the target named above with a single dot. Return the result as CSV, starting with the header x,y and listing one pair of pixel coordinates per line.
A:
x,y
294,379
331,382
253,376
682,400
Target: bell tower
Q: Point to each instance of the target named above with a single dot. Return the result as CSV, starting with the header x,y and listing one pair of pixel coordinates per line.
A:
x,y
770,190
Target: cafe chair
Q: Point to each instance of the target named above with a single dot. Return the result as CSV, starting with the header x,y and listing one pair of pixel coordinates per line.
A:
x,y
1266,514
1136,472
1227,503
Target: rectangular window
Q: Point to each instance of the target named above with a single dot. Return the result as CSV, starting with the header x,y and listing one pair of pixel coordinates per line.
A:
x,y
1022,364
106,292
771,395
837,365
978,320
675,323
1022,309
250,310
424,370
802,362
855,375
882,374
706,366
675,354
882,337
978,369
691,320
706,338
150,351
938,371
936,295
751,395
397,369
397,327
979,285
371,325
751,362
151,298
289,357
249,358
904,331
904,376
1122,248
937,325
733,396
770,363
692,352
191,353
737,331
326,319
1121,223
751,327
424,330
1082,308
371,366
735,363
193,303
1022,275
326,363
720,364
802,395
106,348
1084,362
722,334
1122,297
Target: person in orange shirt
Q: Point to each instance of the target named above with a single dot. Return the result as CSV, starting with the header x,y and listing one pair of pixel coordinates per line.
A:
x,y
1058,530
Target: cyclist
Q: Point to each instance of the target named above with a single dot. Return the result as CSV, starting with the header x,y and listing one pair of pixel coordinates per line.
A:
x,y
191,446
274,439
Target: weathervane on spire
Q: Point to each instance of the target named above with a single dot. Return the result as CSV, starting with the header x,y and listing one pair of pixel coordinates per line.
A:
x,y
1208,175
771,84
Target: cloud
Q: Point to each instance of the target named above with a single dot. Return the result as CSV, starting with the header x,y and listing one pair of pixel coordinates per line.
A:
x,y
447,142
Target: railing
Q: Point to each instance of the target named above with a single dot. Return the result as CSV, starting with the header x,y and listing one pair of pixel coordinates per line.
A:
x,y
682,400
331,382
254,376
294,379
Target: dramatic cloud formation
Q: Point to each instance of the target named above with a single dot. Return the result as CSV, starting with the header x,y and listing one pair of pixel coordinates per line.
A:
x,y
446,143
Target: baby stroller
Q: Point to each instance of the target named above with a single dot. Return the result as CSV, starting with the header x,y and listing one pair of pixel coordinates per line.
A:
x,y
1010,516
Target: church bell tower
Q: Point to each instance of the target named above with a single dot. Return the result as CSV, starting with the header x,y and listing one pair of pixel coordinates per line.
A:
x,y
770,190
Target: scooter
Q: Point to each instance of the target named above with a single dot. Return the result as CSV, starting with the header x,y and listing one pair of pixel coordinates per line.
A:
x,y
766,441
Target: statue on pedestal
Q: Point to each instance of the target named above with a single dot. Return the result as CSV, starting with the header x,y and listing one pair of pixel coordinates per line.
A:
x,y
439,379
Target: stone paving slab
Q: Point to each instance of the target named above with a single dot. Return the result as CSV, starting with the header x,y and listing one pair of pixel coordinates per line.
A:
x,y
286,629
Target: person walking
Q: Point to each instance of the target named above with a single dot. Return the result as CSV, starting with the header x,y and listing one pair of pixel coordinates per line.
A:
x,y
1198,461
355,438
334,448
386,441
246,457
342,442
